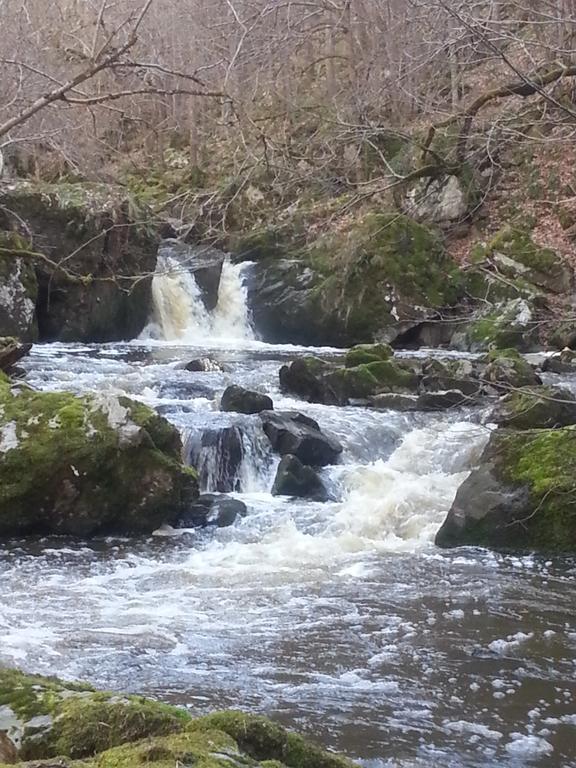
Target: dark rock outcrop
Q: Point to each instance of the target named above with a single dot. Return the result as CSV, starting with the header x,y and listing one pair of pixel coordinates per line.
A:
x,y
242,400
296,434
564,362
212,509
94,233
293,478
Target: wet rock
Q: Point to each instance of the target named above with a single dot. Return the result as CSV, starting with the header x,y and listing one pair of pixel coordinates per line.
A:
x,y
300,436
242,400
440,401
394,402
202,261
536,408
218,456
304,377
87,465
565,362
212,510
521,497
18,289
295,479
205,365
92,229
321,382
11,351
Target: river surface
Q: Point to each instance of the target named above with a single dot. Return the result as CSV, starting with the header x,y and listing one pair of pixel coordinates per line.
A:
x,y
340,619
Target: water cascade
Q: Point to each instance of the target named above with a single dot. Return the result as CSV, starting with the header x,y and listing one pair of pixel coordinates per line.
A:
x,y
179,310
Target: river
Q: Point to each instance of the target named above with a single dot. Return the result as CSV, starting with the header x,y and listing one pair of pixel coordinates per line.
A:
x,y
340,619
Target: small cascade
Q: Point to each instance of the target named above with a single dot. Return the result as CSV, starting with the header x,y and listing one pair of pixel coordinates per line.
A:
x,y
232,458
179,302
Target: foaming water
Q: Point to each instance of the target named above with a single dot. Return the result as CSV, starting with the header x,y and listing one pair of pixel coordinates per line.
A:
x,y
341,618
179,313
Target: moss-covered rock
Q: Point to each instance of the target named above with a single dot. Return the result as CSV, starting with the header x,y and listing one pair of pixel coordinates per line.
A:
x,y
506,324
522,497
43,718
536,408
320,382
363,354
18,288
516,255
263,739
86,465
98,235
372,281
507,368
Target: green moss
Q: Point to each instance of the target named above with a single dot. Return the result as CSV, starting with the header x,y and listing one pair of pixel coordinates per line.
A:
x,y
199,748
367,353
29,696
369,379
263,739
545,461
518,245
70,467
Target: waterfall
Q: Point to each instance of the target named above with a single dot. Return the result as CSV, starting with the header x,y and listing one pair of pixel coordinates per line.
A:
x,y
179,310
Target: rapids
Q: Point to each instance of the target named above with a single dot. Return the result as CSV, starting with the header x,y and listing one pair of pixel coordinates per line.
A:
x,y
340,619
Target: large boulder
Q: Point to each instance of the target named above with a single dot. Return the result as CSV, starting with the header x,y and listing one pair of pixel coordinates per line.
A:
x,y
522,496
294,433
87,465
294,478
18,288
504,324
44,718
95,264
536,408
240,400
372,281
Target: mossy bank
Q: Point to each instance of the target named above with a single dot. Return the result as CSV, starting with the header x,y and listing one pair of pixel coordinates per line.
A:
x,y
44,718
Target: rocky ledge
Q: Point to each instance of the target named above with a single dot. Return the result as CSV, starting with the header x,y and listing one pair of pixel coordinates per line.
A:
x,y
70,724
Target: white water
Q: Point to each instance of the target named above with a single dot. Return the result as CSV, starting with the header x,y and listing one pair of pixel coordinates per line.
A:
x,y
338,618
179,312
